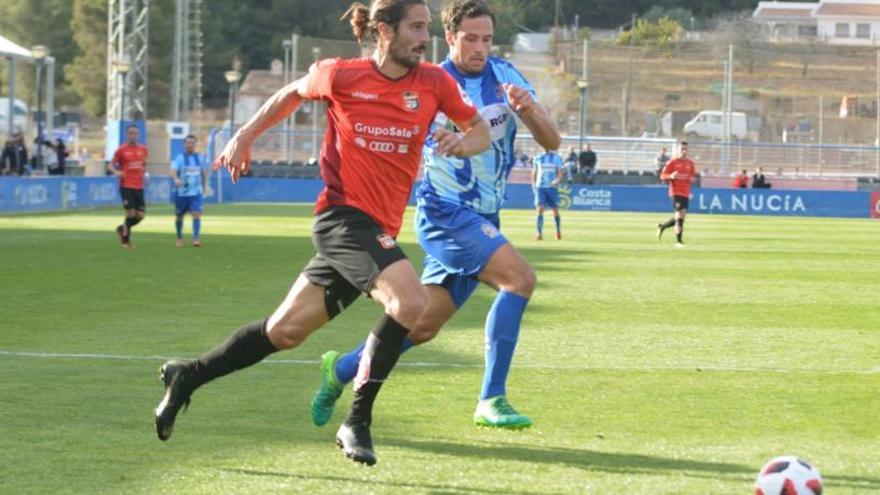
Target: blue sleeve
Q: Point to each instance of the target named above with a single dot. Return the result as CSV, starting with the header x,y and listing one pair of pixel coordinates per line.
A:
x,y
505,72
177,164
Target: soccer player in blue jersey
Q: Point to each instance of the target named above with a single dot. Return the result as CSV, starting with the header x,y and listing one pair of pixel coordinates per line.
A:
x,y
189,171
457,219
547,174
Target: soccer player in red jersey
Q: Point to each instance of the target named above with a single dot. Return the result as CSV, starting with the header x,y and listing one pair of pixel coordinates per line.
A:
x,y
129,163
680,174
379,111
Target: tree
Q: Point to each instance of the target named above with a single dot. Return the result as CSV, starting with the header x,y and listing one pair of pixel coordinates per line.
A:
x,y
41,22
87,73
662,33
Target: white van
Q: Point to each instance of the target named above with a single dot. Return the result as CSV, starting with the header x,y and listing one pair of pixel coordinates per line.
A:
x,y
19,116
708,124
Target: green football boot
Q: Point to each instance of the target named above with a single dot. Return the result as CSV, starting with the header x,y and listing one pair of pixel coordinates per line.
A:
x,y
498,413
325,398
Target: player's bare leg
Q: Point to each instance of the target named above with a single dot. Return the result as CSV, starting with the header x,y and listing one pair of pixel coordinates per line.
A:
x,y
302,312
398,289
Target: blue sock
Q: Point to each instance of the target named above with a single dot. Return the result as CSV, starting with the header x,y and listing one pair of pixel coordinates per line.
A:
x,y
502,332
197,228
558,226
178,224
540,224
347,364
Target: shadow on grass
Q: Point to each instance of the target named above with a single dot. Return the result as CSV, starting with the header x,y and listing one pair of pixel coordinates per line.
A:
x,y
609,462
434,488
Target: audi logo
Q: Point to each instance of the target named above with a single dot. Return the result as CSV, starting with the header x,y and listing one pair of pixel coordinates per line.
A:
x,y
381,147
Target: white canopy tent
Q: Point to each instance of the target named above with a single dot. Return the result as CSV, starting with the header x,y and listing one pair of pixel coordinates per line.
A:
x,y
14,53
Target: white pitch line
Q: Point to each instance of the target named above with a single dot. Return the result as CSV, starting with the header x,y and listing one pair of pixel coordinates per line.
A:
x,y
422,364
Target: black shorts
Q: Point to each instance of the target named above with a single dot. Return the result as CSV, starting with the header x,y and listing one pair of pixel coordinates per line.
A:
x,y
133,199
680,203
352,251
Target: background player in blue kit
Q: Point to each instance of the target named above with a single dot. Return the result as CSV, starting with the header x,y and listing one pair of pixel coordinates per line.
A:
x,y
190,180
457,218
547,174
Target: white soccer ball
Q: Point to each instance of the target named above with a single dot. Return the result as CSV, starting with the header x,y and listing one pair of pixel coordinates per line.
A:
x,y
788,475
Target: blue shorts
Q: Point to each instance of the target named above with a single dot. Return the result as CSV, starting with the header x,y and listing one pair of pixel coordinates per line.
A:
x,y
547,197
458,243
192,204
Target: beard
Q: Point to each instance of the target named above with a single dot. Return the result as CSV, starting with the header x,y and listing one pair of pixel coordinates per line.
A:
x,y
404,56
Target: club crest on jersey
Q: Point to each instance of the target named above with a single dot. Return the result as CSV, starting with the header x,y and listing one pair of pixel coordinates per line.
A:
x,y
490,231
411,101
386,241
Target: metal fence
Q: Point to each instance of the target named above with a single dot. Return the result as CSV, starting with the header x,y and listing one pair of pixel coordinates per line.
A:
x,y
821,99
634,154
807,92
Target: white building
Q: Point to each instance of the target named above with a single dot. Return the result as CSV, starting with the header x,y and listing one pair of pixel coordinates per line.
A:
x,y
787,20
848,23
840,22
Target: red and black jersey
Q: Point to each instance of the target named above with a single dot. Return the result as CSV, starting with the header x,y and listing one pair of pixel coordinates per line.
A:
x,y
132,161
681,185
376,128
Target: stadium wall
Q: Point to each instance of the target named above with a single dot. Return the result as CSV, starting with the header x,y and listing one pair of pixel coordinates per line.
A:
x,y
71,193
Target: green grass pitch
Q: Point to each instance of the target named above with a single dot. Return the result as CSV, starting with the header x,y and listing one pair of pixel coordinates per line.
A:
x,y
647,370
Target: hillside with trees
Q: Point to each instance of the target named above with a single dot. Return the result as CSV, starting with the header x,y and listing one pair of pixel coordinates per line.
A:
x,y
75,33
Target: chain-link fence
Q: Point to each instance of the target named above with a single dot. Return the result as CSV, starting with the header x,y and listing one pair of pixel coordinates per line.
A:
x,y
803,109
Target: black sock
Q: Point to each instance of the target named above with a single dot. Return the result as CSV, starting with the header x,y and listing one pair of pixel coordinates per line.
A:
x,y
668,223
246,346
383,348
680,224
129,223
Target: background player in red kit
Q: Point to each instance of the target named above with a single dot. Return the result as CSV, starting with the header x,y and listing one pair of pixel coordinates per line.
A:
x,y
379,113
130,163
680,174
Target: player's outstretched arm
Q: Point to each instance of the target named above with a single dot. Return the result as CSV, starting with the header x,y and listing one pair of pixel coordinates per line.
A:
x,y
236,155
474,140
535,117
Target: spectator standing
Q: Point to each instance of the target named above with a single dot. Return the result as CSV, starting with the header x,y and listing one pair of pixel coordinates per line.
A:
x,y
15,155
587,163
758,180
61,154
661,160
570,164
742,180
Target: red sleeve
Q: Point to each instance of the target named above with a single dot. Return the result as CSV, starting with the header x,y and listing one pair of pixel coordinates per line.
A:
x,y
668,169
454,102
116,157
321,79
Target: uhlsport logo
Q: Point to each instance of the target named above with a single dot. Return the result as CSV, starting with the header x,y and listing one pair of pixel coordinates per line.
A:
x,y
875,204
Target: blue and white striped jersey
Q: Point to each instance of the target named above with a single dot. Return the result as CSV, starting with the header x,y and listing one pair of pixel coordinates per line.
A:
x,y
547,166
478,182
